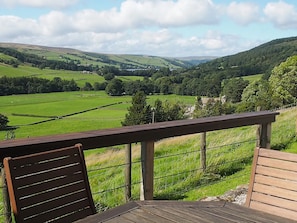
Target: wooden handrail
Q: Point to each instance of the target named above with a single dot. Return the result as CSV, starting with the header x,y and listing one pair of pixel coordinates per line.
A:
x,y
139,133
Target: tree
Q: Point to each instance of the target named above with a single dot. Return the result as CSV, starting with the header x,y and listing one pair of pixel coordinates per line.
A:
x,y
257,94
160,115
173,111
233,89
115,87
3,122
100,86
283,81
139,112
108,76
88,87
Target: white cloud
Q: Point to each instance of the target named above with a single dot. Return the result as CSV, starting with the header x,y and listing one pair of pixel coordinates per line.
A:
x,y
155,27
12,26
55,23
170,13
243,13
140,14
281,14
55,4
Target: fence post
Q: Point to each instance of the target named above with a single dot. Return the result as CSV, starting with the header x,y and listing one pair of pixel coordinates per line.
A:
x,y
128,171
203,151
6,202
147,170
264,135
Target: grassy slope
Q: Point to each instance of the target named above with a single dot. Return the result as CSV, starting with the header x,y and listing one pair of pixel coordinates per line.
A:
x,y
228,166
252,78
62,54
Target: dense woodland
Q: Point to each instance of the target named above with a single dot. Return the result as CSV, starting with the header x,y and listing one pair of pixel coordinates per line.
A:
x,y
221,77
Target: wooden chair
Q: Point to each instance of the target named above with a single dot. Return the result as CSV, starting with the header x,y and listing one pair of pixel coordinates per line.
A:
x,y
50,186
273,183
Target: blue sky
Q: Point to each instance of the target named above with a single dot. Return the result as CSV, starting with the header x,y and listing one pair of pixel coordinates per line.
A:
x,y
171,28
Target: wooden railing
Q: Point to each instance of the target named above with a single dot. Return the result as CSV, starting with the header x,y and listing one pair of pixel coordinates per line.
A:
x,y
147,135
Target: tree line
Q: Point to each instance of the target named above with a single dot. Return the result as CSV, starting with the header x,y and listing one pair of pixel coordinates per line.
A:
x,y
32,85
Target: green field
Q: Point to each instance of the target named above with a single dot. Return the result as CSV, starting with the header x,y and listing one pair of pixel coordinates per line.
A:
x,y
252,78
61,104
28,71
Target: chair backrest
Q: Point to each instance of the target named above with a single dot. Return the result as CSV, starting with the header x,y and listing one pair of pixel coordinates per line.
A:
x,y
50,186
273,183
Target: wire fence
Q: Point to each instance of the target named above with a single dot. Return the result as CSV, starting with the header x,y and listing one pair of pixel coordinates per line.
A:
x,y
177,171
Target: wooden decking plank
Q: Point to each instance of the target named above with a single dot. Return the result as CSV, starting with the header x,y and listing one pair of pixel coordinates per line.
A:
x,y
181,213
118,219
216,215
257,215
188,204
143,212
167,215
193,215
132,216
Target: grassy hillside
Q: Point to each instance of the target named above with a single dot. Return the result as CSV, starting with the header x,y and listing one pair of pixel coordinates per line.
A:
x,y
86,58
259,60
177,169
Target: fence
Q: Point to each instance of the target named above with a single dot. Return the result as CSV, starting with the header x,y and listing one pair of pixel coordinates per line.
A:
x,y
140,181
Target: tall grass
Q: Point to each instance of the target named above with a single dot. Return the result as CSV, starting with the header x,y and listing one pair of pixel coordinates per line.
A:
x,y
177,169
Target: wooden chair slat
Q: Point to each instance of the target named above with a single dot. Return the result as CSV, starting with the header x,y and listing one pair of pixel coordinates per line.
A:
x,y
49,186
57,203
275,191
49,175
55,193
60,216
281,183
276,163
274,201
273,183
274,210
278,173
47,155
277,155
35,165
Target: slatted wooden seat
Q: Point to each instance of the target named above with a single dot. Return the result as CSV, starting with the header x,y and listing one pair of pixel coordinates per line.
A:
x,y
273,184
50,186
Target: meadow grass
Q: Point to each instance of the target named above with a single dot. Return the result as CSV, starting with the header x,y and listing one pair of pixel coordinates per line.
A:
x,y
177,163
65,103
28,71
253,78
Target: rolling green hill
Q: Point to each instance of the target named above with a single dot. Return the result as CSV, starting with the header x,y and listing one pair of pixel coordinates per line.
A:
x,y
259,60
87,58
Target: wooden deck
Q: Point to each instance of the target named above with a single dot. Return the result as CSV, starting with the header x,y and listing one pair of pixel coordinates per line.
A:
x,y
180,211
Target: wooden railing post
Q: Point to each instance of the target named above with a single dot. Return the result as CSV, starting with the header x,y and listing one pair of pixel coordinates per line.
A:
x,y
264,135
147,170
203,151
6,202
128,172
